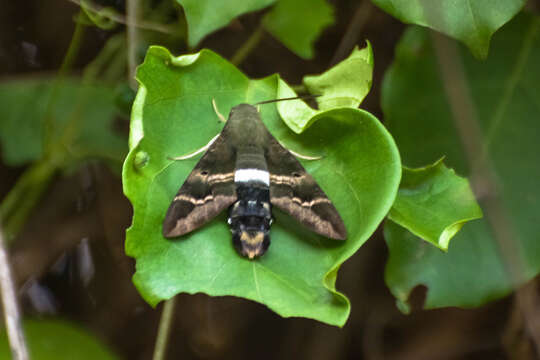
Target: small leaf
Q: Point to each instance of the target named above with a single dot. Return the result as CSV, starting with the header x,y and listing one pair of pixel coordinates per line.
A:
x,y
206,16
434,203
69,121
57,340
297,276
503,92
343,86
298,23
469,21
347,83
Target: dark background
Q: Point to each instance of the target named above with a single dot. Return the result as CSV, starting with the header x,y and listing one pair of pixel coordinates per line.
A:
x,y
69,259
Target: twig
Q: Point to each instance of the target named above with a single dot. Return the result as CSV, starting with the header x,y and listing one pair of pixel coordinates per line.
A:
x,y
528,302
132,15
164,329
126,21
12,318
482,171
23,197
250,44
352,34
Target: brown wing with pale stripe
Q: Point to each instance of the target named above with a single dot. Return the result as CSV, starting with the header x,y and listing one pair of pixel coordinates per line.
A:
x,y
207,191
295,192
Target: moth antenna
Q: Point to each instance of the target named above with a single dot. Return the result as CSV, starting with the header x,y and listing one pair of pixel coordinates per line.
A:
x,y
190,155
289,98
219,115
305,157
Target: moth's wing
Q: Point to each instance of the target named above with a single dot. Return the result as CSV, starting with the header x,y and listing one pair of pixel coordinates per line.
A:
x,y
295,192
207,191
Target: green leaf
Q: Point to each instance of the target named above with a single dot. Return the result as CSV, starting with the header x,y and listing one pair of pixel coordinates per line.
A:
x,y
57,340
343,86
434,203
504,93
68,121
298,23
206,16
470,274
347,83
173,116
472,22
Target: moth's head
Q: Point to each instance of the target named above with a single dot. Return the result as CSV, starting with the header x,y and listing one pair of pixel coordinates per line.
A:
x,y
250,235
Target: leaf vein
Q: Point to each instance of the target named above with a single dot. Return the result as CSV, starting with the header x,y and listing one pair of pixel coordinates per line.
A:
x,y
256,280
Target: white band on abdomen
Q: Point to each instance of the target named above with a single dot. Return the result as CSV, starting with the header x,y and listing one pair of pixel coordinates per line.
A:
x,y
252,175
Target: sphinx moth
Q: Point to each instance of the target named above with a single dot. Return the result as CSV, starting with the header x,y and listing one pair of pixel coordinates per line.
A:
x,y
246,170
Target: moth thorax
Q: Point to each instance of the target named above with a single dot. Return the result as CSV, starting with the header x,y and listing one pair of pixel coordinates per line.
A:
x,y
251,167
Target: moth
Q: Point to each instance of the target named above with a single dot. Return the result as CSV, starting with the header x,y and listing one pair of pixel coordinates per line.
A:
x,y
246,170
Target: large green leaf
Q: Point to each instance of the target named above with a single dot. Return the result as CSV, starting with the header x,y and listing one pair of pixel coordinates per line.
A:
x,y
434,203
470,274
57,340
68,120
505,93
172,115
472,22
206,16
298,23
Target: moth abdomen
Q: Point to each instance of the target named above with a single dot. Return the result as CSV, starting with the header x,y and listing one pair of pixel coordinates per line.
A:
x,y
250,218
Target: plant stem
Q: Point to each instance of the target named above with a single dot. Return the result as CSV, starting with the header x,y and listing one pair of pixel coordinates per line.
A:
x,y
250,44
74,46
26,193
165,29
165,323
71,54
12,316
23,197
133,13
114,48
354,30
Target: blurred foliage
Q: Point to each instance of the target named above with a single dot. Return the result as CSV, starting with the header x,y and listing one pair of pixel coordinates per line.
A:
x,y
64,122
297,276
471,22
206,16
57,340
504,93
54,125
298,23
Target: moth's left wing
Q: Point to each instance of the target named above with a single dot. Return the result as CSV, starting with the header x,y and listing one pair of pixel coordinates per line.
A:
x,y
295,192
208,190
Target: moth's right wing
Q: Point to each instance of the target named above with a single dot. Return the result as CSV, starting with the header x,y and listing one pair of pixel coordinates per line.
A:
x,y
295,192
208,190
